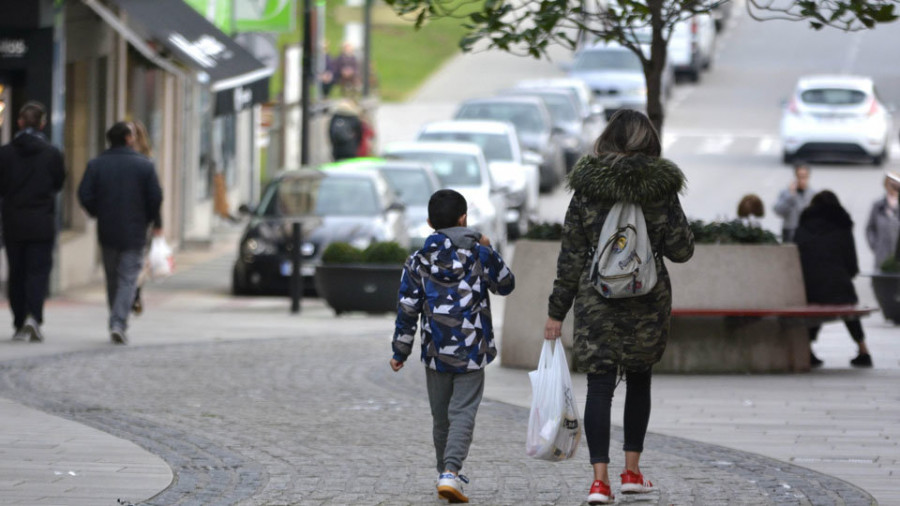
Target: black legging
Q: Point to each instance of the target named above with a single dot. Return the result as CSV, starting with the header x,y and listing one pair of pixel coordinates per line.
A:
x,y
597,412
854,326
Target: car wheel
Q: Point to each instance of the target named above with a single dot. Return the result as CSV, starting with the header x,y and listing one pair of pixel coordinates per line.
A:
x,y
878,161
237,286
693,75
787,158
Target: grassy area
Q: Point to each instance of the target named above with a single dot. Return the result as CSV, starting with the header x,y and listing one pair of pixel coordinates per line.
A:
x,y
402,56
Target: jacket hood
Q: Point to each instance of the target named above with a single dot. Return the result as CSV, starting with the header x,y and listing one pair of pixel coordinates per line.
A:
x,y
30,141
635,178
450,253
346,108
823,218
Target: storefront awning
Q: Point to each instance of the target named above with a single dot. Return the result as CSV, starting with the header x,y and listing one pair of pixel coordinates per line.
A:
x,y
238,79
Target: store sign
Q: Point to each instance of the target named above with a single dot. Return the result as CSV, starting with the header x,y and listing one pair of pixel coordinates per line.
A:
x,y
248,15
206,50
13,48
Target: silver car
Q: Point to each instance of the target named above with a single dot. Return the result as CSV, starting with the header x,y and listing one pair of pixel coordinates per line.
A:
x,y
461,166
566,115
533,124
510,165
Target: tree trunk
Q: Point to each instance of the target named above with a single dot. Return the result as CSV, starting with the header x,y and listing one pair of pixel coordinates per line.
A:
x,y
653,69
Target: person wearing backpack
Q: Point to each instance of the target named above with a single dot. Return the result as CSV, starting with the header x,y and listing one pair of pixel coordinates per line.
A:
x,y
345,131
619,330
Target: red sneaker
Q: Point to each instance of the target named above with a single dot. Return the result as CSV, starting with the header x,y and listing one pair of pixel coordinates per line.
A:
x,y
600,493
635,483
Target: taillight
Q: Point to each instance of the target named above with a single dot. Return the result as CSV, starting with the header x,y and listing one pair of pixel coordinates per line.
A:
x,y
874,108
693,26
792,106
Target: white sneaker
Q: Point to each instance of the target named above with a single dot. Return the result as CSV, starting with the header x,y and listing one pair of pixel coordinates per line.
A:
x,y
32,329
118,336
449,487
20,335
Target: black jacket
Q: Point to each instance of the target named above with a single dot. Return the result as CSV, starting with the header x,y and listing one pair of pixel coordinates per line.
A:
x,y
827,254
31,174
121,190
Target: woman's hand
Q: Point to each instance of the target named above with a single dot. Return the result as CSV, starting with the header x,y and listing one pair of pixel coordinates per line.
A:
x,y
552,329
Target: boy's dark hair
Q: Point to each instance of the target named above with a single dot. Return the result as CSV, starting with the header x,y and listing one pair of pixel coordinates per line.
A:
x,y
118,133
32,114
445,208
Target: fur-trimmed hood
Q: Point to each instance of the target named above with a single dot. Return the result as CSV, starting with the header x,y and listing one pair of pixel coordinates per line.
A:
x,y
631,178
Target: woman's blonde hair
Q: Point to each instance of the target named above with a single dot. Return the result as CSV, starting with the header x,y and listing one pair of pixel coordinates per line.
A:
x,y
628,132
141,139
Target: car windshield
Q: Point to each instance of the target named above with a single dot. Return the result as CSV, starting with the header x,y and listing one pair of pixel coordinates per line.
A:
x,y
561,108
329,196
495,146
413,187
525,117
451,168
833,96
608,59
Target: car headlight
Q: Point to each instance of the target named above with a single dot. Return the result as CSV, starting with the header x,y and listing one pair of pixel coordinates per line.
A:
x,y
258,246
361,242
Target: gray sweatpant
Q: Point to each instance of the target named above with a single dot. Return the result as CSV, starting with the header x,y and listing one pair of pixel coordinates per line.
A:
x,y
122,270
454,402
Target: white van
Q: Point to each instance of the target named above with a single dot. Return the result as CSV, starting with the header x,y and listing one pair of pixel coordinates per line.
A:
x,y
691,45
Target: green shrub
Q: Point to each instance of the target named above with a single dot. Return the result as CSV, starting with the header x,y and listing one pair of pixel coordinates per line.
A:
x,y
730,232
384,253
545,232
341,253
891,265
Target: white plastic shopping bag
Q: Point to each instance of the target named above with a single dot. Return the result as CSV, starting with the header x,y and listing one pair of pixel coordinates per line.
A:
x,y
554,429
160,258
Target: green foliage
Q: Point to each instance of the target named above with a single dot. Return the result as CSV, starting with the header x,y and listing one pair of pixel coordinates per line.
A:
x,y
545,232
385,253
891,265
730,232
388,252
341,253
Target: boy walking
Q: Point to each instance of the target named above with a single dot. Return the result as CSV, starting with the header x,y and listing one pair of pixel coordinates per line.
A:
x,y
447,283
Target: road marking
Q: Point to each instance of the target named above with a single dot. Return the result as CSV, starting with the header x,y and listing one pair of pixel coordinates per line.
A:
x,y
766,145
715,145
668,140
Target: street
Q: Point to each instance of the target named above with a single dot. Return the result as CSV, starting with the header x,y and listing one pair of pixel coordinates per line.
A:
x,y
231,400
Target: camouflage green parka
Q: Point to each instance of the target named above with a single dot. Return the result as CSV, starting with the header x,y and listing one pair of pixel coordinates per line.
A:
x,y
628,333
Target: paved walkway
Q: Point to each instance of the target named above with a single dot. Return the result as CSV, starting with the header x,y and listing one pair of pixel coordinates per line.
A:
x,y
251,405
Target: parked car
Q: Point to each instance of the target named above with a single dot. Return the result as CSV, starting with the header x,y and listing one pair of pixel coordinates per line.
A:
x,y
564,111
461,166
836,118
616,77
353,206
510,166
692,45
533,124
590,109
412,183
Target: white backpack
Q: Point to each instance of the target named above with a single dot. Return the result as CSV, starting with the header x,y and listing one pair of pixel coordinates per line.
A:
x,y
623,264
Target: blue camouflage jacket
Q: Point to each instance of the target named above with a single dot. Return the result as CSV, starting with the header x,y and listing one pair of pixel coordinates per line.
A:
x,y
445,286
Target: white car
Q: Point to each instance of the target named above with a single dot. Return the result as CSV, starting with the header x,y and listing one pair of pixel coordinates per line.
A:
x,y
461,166
836,118
510,165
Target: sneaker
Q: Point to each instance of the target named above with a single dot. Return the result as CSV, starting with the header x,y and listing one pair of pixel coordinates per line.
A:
x,y
862,360
32,329
118,336
20,335
449,487
635,483
600,493
815,361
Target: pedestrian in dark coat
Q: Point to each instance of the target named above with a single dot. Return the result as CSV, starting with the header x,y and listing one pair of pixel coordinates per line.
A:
x,y
120,188
345,130
32,172
828,257
627,335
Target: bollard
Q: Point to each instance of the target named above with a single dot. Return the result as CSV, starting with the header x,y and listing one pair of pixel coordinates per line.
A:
x,y
296,276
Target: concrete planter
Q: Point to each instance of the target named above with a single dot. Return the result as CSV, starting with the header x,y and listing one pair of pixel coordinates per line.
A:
x,y
359,287
887,291
718,276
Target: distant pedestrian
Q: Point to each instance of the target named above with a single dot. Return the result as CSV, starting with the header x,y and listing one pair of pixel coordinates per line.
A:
x,y
623,336
120,188
883,227
347,71
750,210
327,76
32,172
345,130
792,201
445,285
828,257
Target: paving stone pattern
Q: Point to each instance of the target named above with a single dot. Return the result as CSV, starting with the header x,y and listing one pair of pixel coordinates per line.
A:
x,y
323,420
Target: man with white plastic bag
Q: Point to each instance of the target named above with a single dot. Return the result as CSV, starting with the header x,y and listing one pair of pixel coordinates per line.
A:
x,y
120,188
554,428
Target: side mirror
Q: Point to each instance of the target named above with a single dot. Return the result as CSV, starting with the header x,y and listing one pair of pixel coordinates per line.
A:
x,y
245,210
558,131
532,158
396,206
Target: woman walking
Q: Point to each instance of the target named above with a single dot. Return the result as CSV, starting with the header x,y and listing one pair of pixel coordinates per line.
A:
x,y
625,336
